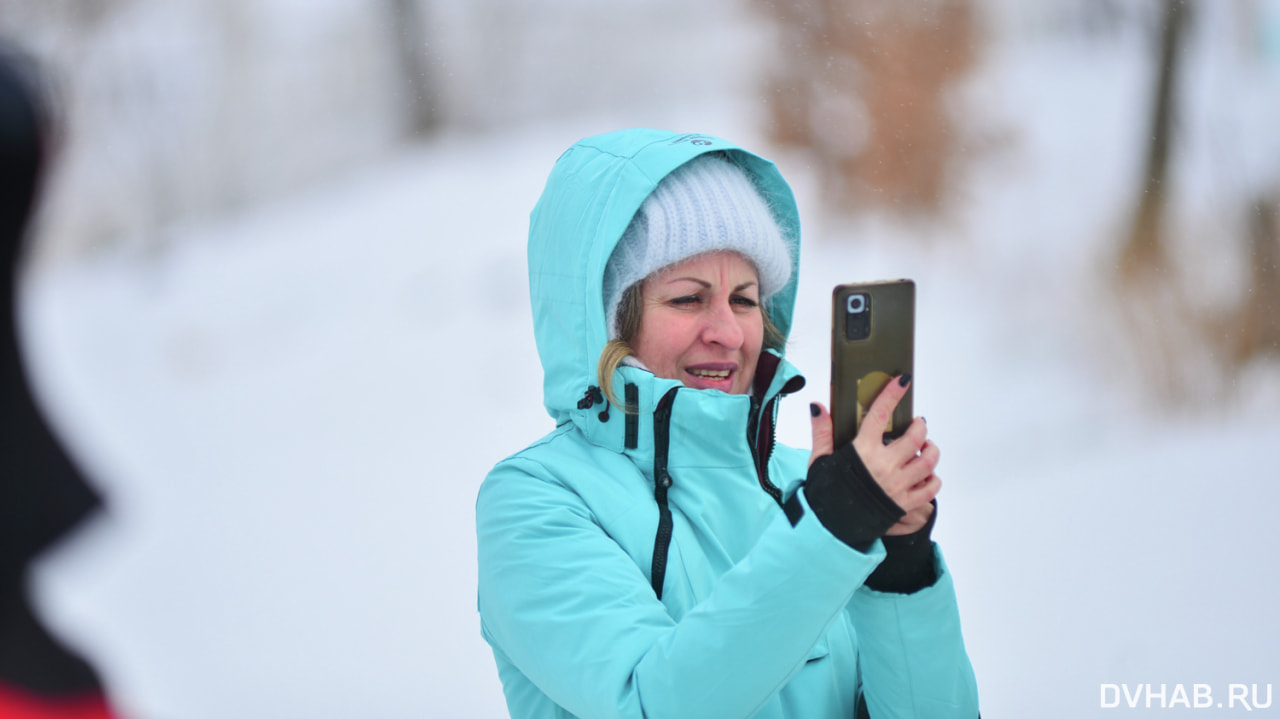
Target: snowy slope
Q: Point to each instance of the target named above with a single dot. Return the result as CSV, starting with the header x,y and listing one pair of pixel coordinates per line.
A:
x,y
291,410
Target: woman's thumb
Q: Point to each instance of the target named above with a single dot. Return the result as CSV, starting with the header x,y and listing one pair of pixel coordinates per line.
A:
x,y
822,442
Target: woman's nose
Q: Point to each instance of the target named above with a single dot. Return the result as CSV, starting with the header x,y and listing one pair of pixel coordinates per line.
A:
x,y
722,327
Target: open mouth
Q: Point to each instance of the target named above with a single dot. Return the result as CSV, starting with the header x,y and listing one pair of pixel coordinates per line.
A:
x,y
713,377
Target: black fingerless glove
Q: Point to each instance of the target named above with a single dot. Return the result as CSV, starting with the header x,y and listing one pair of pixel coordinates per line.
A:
x,y
909,565
848,501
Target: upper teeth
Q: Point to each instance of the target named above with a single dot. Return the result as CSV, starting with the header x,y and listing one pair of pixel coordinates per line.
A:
x,y
710,373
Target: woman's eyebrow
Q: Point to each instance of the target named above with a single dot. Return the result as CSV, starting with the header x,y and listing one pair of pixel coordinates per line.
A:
x,y
704,283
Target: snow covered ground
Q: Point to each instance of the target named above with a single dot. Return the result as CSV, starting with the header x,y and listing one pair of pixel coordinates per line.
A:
x,y
290,411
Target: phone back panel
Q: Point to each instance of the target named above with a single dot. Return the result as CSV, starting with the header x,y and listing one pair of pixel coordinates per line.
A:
x,y
872,341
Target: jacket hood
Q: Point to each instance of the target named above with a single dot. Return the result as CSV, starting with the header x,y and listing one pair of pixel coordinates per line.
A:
x,y
593,192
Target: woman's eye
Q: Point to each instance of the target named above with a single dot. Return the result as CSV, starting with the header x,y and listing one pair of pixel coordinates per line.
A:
x,y
744,301
686,300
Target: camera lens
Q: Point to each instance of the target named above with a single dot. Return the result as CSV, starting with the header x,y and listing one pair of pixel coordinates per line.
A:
x,y
857,319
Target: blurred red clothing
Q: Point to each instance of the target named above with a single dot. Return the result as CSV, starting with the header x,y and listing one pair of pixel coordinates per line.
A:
x,y
19,704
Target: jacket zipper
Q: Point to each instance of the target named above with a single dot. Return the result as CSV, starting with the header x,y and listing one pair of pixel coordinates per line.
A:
x,y
661,483
760,440
762,444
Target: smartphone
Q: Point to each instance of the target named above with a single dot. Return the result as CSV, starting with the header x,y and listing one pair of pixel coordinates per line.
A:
x,y
872,342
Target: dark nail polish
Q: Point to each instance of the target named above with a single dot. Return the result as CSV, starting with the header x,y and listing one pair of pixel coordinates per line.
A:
x,y
814,409
904,380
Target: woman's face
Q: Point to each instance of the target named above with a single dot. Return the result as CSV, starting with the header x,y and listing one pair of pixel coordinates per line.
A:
x,y
701,323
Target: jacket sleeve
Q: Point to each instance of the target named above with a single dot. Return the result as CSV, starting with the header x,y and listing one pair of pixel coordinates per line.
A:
x,y
576,615
911,652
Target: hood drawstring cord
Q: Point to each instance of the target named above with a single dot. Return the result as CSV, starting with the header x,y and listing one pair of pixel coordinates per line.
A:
x,y
589,400
592,396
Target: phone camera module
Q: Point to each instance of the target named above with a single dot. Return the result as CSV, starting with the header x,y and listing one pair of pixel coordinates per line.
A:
x,y
857,318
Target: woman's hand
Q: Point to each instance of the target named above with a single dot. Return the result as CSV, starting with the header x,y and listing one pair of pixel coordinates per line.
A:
x,y
903,468
913,522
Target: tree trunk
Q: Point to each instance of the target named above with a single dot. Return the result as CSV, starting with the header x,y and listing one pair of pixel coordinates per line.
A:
x,y
1260,315
410,43
1144,249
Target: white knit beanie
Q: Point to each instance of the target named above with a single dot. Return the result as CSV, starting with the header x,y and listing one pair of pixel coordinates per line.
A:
x,y
705,205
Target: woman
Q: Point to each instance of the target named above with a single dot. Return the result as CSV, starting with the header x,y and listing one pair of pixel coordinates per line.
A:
x,y
658,554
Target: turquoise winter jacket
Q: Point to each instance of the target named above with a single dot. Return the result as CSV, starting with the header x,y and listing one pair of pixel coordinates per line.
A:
x,y
642,564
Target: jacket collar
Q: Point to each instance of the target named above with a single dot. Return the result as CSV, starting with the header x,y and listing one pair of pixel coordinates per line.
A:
x,y
707,427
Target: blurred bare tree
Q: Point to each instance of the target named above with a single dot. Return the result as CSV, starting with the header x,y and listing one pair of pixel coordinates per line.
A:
x,y
864,85
421,96
1190,348
1259,315
176,110
1143,250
